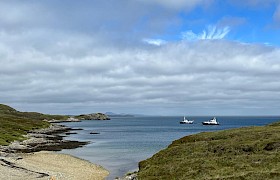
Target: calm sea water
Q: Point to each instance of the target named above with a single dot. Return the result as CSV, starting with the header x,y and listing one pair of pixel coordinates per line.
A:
x,y
124,141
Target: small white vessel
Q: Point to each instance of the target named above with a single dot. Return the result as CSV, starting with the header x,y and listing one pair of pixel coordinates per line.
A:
x,y
186,121
211,122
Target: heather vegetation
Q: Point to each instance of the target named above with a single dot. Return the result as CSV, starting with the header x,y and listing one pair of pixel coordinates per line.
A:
x,y
14,124
243,153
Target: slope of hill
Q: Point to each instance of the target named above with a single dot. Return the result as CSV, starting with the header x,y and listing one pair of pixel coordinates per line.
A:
x,y
243,153
14,124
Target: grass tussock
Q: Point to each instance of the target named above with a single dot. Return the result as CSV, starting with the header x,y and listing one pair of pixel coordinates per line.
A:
x,y
243,153
14,124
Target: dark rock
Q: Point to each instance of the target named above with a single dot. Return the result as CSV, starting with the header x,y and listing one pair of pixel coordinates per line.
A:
x,y
272,146
49,139
76,129
94,133
68,133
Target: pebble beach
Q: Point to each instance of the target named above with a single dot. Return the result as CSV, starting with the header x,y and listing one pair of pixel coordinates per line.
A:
x,y
49,165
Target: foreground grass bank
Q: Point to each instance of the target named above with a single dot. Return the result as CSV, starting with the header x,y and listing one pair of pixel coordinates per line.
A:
x,y
14,124
243,153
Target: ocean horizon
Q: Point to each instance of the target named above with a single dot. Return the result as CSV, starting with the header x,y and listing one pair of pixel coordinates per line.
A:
x,y
122,142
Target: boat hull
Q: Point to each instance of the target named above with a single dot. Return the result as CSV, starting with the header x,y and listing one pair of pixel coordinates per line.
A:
x,y
186,122
211,124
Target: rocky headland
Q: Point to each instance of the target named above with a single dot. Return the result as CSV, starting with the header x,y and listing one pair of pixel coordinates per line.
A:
x,y
93,116
47,139
24,138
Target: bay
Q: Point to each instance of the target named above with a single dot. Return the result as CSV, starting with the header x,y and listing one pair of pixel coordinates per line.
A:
x,y
124,141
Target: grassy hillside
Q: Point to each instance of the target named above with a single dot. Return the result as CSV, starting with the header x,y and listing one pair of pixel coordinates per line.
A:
x,y
243,153
8,111
14,124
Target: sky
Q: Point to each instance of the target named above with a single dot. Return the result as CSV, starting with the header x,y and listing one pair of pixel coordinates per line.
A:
x,y
154,57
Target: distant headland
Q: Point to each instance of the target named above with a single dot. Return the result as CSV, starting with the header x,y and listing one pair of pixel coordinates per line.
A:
x,y
24,134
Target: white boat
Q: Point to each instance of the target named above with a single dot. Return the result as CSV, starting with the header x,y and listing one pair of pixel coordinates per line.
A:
x,y
186,121
211,122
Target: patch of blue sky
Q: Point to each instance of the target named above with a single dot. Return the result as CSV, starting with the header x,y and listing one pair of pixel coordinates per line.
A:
x,y
248,25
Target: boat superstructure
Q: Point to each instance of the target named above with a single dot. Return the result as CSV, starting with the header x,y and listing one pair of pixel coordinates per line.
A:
x,y
211,122
186,121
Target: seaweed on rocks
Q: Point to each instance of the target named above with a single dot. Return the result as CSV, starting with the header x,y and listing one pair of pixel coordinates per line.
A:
x,y
13,166
48,139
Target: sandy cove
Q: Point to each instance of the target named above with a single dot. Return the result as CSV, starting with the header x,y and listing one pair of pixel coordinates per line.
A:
x,y
28,160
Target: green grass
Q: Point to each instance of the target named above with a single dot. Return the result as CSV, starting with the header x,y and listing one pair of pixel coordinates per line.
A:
x,y
12,128
15,124
6,110
243,153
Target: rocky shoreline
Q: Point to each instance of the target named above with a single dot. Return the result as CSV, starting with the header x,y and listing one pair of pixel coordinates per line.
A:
x,y
38,141
70,119
48,139
34,158
27,152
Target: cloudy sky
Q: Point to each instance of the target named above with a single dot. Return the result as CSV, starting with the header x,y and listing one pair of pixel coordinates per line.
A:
x,y
161,57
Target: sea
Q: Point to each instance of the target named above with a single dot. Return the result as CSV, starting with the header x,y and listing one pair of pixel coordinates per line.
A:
x,y
122,142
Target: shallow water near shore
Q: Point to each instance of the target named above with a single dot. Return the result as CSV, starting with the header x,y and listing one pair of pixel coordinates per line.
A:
x,y
124,141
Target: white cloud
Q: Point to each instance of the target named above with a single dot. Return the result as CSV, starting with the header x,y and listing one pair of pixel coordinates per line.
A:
x,y
156,42
82,59
212,33
189,35
87,17
180,75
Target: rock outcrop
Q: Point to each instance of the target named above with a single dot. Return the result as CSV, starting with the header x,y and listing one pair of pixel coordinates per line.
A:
x,y
70,119
93,116
48,139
